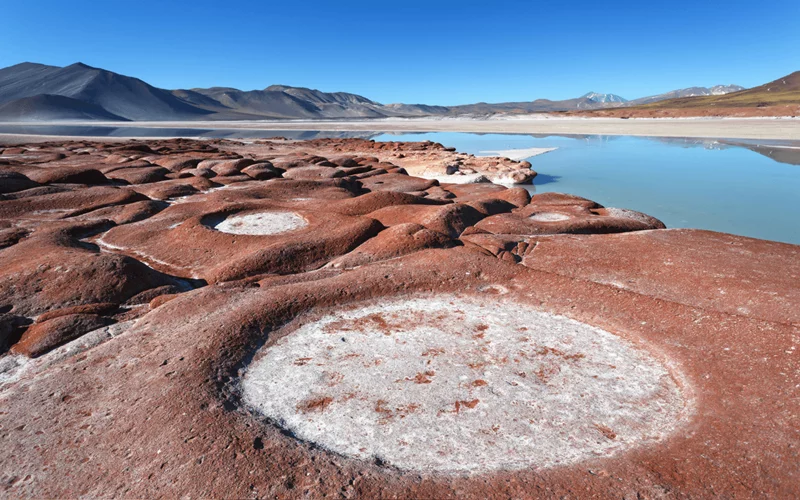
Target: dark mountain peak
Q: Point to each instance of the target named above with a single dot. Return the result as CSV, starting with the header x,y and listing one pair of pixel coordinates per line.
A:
x,y
214,89
282,88
80,65
319,95
102,93
28,65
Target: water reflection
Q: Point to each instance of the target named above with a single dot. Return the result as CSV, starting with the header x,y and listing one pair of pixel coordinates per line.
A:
x,y
743,187
730,186
95,131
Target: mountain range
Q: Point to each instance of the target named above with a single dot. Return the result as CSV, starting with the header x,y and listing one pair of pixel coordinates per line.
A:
x,y
690,92
784,91
38,92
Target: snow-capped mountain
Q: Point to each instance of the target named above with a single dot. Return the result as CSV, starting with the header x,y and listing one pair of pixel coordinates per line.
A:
x,y
725,89
604,98
688,92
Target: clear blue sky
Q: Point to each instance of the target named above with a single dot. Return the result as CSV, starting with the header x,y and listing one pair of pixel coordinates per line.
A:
x,y
434,52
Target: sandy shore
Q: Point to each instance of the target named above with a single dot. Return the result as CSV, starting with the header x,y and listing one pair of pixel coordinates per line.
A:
x,y
728,128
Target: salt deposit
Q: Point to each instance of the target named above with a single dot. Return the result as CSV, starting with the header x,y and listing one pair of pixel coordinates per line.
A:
x,y
261,224
463,385
549,217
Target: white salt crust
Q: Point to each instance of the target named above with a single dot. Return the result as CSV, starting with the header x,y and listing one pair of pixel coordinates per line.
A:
x,y
549,217
463,385
624,213
264,223
519,153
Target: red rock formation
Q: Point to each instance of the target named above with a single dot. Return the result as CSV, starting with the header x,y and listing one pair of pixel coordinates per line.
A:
x,y
136,383
555,213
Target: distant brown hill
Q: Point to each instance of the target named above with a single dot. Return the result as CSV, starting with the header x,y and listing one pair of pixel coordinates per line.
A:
x,y
780,97
783,91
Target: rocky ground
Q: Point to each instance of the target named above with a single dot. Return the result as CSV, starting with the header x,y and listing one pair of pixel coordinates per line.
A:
x,y
305,319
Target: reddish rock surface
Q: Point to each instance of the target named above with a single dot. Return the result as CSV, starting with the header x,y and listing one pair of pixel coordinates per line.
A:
x,y
44,336
553,213
133,310
735,275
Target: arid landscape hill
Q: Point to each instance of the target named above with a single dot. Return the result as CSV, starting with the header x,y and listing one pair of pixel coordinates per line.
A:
x,y
280,101
783,91
687,92
123,96
780,97
31,92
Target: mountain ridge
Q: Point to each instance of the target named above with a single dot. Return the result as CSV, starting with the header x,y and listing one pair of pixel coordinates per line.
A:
x,y
782,91
688,92
35,92
117,94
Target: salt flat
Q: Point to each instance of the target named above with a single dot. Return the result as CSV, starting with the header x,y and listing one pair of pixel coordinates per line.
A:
x,y
787,128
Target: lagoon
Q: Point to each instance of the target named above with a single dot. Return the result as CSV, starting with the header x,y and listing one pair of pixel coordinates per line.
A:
x,y
750,188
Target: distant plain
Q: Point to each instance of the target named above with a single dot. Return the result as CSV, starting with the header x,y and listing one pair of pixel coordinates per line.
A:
x,y
719,128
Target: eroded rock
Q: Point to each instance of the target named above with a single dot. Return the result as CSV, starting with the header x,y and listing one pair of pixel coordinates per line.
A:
x,y
423,340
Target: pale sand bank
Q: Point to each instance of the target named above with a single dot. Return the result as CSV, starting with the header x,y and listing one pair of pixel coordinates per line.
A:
x,y
517,154
727,128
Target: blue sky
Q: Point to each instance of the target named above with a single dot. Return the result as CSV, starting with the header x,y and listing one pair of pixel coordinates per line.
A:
x,y
434,52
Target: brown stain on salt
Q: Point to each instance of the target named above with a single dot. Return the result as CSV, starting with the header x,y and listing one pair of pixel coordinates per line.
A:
x,y
433,351
314,404
545,373
545,351
423,378
387,414
466,404
606,431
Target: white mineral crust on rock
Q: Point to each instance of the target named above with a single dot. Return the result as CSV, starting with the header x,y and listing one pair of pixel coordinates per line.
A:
x,y
455,384
262,224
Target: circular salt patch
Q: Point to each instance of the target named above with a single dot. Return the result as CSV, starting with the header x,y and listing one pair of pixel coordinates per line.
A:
x,y
263,223
456,384
549,217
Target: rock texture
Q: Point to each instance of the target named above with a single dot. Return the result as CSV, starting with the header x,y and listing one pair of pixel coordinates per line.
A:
x,y
305,319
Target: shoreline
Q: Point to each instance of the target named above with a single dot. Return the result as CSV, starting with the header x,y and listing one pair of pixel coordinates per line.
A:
x,y
708,128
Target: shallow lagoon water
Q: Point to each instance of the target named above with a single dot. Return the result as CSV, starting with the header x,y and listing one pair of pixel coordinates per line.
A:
x,y
750,188
687,183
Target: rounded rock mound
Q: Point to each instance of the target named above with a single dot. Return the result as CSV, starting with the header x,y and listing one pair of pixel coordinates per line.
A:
x,y
462,385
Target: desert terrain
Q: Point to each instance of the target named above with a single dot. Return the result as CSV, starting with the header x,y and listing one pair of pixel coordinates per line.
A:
x,y
288,319
39,93
785,128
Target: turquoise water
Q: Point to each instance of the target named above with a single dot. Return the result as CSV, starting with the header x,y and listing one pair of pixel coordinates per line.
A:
x,y
686,183
739,187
